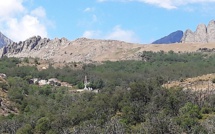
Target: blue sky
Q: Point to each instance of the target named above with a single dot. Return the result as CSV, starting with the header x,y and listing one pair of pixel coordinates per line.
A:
x,y
138,21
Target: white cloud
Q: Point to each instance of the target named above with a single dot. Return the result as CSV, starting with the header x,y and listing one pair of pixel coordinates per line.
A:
x,y
120,34
27,27
10,8
18,23
92,20
88,9
39,12
168,4
117,33
92,34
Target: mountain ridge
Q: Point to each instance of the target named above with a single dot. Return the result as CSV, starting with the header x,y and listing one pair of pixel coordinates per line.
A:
x,y
89,50
81,49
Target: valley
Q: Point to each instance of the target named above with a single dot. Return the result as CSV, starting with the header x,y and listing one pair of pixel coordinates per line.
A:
x,y
57,86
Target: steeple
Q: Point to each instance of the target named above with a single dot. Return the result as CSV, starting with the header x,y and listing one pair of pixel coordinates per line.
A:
x,y
85,82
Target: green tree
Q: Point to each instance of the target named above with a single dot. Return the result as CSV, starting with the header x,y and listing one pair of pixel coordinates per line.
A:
x,y
80,85
43,125
26,129
189,115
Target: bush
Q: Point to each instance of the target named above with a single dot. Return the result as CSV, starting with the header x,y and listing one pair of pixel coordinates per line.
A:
x,y
26,129
43,125
206,110
26,60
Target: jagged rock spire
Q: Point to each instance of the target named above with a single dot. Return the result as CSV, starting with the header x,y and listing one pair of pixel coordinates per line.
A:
x,y
202,34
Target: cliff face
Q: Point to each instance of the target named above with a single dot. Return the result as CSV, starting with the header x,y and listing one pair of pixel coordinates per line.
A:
x,y
174,37
202,34
4,40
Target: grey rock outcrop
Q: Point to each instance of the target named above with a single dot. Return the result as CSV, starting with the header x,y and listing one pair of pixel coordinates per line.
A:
x,y
188,37
211,31
33,43
4,40
202,34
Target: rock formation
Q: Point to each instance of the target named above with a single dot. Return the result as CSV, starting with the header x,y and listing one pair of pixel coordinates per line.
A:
x,y
174,37
188,36
31,44
202,34
211,31
4,40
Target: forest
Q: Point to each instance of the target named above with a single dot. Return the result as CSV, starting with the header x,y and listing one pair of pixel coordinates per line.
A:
x,y
131,97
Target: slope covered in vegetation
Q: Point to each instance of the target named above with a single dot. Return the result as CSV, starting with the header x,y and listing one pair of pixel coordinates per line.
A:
x,y
131,98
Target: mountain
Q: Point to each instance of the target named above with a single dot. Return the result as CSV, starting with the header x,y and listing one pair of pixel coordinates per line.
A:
x,y
88,50
174,37
79,50
4,40
94,50
203,34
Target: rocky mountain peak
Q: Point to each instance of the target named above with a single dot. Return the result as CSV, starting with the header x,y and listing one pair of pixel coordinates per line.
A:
x,y
200,34
32,44
203,34
4,40
211,31
188,36
174,37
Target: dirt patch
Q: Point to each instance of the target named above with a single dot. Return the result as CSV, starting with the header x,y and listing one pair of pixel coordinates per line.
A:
x,y
204,82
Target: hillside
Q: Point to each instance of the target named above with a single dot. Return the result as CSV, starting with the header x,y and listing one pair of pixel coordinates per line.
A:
x,y
6,106
80,50
131,97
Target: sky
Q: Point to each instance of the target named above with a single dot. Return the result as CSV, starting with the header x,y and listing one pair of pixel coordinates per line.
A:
x,y
135,21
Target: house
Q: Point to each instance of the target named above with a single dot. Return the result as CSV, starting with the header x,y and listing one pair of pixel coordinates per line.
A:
x,y
4,76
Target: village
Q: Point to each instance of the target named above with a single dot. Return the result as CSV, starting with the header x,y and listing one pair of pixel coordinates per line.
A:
x,y
55,82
